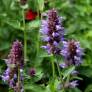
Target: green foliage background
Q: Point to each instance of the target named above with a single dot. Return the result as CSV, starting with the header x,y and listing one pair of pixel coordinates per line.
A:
x,y
77,20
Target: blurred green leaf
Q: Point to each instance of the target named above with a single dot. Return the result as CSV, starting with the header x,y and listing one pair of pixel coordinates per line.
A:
x,y
13,23
33,25
41,5
89,88
68,71
85,70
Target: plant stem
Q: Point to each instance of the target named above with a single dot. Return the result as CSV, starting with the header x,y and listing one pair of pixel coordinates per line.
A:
x,y
53,67
59,70
38,33
52,86
25,39
19,79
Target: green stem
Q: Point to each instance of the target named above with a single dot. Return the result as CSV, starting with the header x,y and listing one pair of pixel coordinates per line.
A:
x,y
60,74
38,33
52,86
59,70
53,67
19,79
38,39
25,39
68,79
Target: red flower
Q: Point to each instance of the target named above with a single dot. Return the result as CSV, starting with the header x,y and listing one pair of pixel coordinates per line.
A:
x,y
30,15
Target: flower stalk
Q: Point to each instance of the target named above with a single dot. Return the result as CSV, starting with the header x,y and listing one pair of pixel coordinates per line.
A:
x,y
25,36
19,82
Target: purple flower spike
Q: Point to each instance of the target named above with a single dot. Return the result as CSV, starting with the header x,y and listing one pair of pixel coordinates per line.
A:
x,y
72,53
16,54
52,31
15,60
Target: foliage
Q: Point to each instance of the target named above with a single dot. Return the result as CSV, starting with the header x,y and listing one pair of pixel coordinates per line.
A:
x,y
77,15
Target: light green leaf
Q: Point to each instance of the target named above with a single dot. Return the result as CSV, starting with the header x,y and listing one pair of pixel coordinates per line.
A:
x,y
41,5
33,24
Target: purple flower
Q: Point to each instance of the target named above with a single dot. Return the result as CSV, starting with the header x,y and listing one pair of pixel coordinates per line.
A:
x,y
16,54
72,53
32,72
14,61
63,65
5,76
52,32
73,84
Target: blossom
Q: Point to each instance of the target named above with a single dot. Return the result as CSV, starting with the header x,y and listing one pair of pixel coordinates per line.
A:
x,y
14,62
30,15
70,84
16,54
72,53
32,72
52,32
73,84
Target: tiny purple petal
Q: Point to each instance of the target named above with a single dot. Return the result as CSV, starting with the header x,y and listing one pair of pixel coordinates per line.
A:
x,y
63,65
73,84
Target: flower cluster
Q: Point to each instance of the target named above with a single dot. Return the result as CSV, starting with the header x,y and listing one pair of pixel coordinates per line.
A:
x,y
52,32
72,53
16,54
53,36
14,61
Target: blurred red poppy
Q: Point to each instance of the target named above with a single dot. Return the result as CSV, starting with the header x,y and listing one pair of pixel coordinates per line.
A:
x,y
30,15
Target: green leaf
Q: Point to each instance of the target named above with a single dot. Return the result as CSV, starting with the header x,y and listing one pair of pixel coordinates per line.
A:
x,y
89,34
89,88
14,23
45,55
41,5
34,88
33,25
85,70
4,46
68,71
74,90
2,65
6,3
